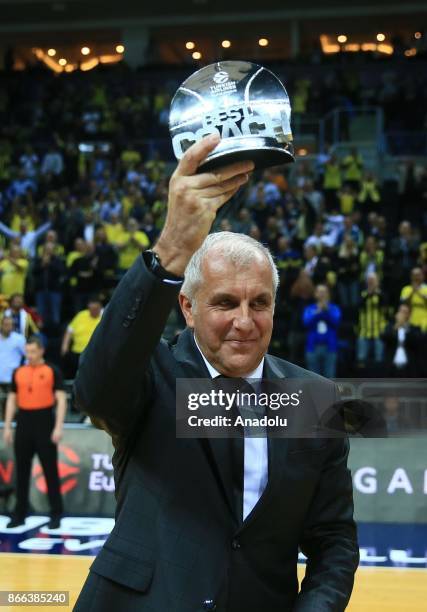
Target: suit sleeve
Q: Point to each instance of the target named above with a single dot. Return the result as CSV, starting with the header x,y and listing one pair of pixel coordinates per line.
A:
x,y
330,538
112,384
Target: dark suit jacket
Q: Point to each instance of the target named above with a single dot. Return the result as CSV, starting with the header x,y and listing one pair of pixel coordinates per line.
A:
x,y
176,545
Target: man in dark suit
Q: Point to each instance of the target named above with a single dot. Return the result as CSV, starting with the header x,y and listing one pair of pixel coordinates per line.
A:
x,y
403,343
180,541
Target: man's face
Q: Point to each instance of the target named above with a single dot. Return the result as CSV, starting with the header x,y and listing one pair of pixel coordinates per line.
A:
x,y
94,309
6,326
17,302
33,353
322,294
417,276
233,315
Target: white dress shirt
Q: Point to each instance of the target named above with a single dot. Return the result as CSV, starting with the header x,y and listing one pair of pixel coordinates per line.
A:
x,y
255,453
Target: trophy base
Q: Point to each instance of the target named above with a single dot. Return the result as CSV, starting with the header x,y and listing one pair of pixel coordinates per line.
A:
x,y
264,152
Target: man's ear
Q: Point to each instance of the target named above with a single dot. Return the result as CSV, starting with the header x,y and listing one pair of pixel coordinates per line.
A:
x,y
187,309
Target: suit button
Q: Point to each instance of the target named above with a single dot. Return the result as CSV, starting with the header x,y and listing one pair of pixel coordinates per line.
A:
x,y
235,544
209,604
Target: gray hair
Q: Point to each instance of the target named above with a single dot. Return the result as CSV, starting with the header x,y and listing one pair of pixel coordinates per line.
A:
x,y
240,249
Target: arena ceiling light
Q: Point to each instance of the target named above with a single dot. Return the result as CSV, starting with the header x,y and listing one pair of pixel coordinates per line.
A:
x,y
342,38
120,49
263,42
196,55
380,37
387,49
352,47
226,44
85,50
89,64
51,52
417,35
327,45
46,59
190,45
62,61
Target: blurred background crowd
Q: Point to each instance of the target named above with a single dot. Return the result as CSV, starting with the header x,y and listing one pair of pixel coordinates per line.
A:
x,y
85,161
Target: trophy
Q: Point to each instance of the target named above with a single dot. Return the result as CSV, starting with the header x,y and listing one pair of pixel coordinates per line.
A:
x,y
245,104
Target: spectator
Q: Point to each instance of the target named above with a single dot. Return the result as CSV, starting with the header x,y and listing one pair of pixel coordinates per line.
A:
x,y
322,320
332,183
403,256
148,227
346,199
243,222
106,260
23,319
22,217
13,272
415,296
131,243
111,206
79,251
371,259
51,241
12,351
85,272
369,195
402,343
348,273
314,197
372,320
28,162
53,162
48,275
114,229
78,334
352,166
26,238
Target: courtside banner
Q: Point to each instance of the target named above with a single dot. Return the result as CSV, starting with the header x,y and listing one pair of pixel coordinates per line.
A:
x,y
389,476
85,472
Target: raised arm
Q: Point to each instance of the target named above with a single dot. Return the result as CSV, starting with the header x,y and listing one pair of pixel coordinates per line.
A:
x,y
113,380
4,229
42,229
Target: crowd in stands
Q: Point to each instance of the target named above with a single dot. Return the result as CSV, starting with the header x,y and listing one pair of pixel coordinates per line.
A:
x,y
352,252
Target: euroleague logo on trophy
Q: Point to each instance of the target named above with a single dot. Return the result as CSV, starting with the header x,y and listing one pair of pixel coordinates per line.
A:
x,y
245,104
221,77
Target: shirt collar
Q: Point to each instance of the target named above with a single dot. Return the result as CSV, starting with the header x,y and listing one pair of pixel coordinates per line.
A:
x,y
256,374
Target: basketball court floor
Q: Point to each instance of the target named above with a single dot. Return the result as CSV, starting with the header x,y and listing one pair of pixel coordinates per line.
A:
x,y
392,576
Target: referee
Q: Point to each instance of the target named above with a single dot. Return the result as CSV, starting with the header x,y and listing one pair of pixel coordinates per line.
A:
x,y
36,388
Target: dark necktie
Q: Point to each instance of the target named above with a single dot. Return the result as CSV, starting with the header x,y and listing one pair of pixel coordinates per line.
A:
x,y
236,441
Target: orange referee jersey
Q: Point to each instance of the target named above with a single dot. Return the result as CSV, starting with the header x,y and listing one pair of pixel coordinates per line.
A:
x,y
35,386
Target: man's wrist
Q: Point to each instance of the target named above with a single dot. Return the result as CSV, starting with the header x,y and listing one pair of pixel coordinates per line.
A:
x,y
173,259
155,264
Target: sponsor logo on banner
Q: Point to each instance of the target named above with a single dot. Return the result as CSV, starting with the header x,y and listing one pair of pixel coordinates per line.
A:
x,y
101,477
68,468
76,535
365,480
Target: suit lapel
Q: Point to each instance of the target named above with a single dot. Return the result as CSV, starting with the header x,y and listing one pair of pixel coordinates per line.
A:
x,y
216,450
